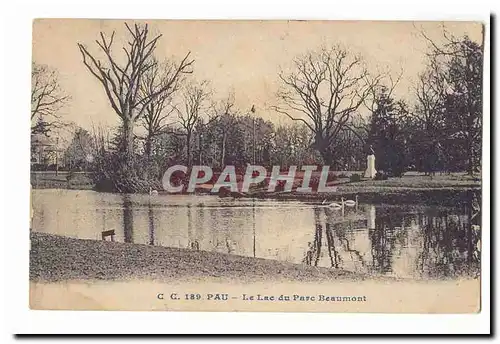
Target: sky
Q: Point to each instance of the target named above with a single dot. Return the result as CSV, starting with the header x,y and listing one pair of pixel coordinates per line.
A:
x,y
240,56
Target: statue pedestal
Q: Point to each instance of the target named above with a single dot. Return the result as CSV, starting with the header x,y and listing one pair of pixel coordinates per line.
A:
x,y
370,169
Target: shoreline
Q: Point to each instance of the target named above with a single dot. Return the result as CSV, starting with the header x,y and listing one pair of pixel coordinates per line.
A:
x,y
55,258
392,195
451,196
82,181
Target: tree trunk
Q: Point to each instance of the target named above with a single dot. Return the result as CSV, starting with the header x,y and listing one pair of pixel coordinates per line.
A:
x,y
327,156
128,141
200,148
147,149
223,150
470,153
321,145
188,147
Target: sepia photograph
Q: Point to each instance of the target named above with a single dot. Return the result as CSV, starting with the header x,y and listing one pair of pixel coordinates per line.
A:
x,y
256,165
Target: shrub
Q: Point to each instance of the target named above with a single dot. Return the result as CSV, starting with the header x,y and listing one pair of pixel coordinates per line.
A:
x,y
280,186
398,171
332,176
381,175
261,185
70,175
110,173
38,167
314,183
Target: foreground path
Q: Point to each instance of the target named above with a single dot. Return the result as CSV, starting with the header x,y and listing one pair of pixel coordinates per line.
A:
x,y
55,258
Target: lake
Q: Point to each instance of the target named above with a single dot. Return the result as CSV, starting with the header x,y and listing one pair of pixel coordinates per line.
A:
x,y
410,241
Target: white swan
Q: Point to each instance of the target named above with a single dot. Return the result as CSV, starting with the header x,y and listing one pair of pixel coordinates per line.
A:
x,y
351,203
336,205
152,192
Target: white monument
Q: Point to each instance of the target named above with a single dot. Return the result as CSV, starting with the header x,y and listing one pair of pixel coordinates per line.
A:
x,y
370,167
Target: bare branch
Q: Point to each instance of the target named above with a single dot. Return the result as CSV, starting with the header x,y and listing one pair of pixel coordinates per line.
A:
x,y
47,97
122,82
325,90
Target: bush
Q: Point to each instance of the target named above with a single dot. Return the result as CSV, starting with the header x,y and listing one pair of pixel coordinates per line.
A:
x,y
70,175
314,183
332,176
38,167
355,178
280,186
398,171
110,173
261,185
381,175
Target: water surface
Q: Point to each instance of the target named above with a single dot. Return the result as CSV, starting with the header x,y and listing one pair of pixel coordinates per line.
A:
x,y
402,241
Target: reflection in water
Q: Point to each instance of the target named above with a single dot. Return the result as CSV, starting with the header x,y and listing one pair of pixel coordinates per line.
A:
x,y
314,251
451,243
438,243
383,240
402,241
253,226
151,225
332,252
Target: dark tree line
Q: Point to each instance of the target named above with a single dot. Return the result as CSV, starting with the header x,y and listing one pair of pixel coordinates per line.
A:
x,y
442,131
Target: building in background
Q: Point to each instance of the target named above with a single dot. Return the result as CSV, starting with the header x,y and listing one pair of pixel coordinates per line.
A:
x,y
44,152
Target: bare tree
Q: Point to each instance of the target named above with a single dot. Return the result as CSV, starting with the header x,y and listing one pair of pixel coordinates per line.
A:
x,y
430,94
195,97
324,91
46,98
155,113
224,112
122,81
383,89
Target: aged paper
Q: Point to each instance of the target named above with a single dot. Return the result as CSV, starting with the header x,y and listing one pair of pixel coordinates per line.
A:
x,y
281,166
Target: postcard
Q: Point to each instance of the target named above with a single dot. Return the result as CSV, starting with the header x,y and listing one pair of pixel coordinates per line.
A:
x,y
256,165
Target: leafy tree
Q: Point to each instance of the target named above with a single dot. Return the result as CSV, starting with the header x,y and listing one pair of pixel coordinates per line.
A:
x,y
387,134
457,69
463,103
79,152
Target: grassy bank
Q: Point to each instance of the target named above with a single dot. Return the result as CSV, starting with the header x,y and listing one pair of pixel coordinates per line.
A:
x,y
410,189
56,258
444,189
444,197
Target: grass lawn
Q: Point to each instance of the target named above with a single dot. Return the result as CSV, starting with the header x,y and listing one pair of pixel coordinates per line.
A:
x,y
419,180
412,188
